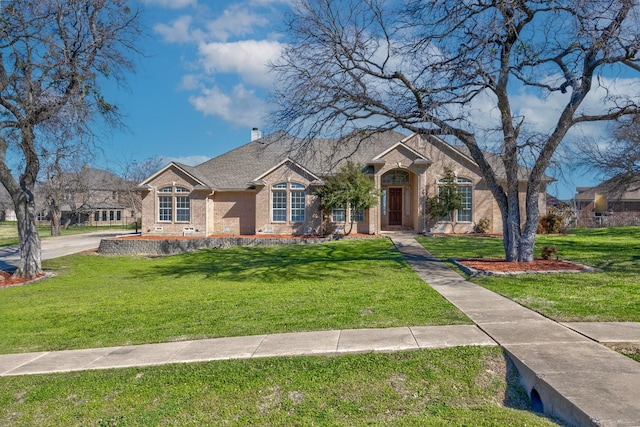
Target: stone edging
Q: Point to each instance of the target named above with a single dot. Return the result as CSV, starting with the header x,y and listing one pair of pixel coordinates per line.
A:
x,y
46,275
580,268
168,246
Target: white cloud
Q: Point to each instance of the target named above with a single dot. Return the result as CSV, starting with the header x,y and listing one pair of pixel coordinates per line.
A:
x,y
176,32
237,20
241,106
541,114
171,4
248,58
230,71
191,82
271,2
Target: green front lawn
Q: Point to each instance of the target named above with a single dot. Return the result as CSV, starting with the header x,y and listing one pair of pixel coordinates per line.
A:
x,y
464,386
612,294
98,301
102,301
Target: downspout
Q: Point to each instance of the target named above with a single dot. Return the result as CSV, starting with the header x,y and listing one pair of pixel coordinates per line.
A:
x,y
206,214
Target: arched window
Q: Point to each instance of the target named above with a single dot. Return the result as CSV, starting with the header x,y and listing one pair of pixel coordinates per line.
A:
x,y
173,202
288,202
396,177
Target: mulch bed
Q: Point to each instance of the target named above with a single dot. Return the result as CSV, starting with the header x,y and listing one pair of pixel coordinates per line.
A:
x,y
500,266
237,236
6,280
240,236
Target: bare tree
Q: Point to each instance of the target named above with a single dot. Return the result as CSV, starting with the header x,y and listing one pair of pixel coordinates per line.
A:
x,y
61,168
54,55
133,173
619,158
361,64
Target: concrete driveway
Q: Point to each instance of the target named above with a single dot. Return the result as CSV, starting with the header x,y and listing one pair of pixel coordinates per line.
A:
x,y
54,247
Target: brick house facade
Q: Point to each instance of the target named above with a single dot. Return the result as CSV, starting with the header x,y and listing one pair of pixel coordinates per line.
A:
x,y
268,187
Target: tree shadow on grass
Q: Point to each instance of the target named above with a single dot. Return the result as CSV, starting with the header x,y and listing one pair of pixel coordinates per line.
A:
x,y
613,254
280,263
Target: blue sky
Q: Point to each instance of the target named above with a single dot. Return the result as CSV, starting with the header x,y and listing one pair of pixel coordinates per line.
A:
x,y
203,83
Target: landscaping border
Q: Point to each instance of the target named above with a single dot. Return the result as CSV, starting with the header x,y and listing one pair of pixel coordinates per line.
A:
x,y
579,268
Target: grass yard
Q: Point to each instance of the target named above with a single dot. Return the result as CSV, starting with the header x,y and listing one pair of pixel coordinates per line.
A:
x,y
612,294
98,301
102,301
464,386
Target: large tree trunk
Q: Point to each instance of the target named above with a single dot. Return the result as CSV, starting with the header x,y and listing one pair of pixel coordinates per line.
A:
x,y
526,245
21,193
510,234
528,238
30,256
55,214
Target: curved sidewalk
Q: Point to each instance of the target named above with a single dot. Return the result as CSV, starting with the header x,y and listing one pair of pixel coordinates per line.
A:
x,y
566,374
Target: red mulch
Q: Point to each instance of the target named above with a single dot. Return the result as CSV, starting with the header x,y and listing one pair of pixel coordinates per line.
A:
x,y
6,280
145,237
501,266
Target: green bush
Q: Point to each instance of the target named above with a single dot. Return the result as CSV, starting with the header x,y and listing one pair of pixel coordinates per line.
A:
x,y
549,252
483,226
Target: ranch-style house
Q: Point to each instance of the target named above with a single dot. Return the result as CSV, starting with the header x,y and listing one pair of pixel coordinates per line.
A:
x,y
267,187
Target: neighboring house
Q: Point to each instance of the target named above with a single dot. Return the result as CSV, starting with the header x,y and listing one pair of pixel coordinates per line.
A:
x,y
93,197
608,203
267,187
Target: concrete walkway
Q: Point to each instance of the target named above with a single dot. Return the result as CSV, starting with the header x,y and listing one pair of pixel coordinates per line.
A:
x,y
54,247
565,370
566,374
293,344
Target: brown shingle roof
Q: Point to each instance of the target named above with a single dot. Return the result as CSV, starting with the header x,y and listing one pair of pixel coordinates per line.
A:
x,y
236,169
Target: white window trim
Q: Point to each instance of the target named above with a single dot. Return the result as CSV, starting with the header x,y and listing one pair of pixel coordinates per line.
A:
x,y
343,215
188,208
173,192
288,188
279,209
461,182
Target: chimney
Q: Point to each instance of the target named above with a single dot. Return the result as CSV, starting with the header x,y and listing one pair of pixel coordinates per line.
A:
x,y
255,134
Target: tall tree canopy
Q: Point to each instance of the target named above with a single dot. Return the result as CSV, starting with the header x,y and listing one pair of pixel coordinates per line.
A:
x,y
428,65
54,56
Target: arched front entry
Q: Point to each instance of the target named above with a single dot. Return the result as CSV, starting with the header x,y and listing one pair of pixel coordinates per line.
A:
x,y
398,200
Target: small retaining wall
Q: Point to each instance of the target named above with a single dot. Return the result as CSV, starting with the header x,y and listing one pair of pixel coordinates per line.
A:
x,y
124,246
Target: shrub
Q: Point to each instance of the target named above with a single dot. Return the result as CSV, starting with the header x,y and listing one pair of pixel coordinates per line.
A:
x,y
549,224
566,215
483,226
549,252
